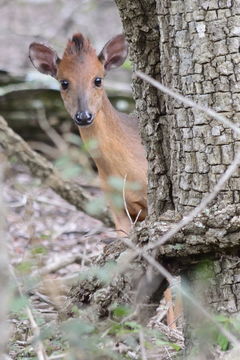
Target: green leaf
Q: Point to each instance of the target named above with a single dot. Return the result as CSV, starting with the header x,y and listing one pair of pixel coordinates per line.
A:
x,y
117,200
74,139
167,343
116,183
127,65
95,206
25,267
106,272
121,311
133,325
77,327
71,171
222,318
90,146
17,304
223,342
39,250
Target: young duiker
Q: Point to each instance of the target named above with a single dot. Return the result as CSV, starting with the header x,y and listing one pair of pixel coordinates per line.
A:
x,y
120,152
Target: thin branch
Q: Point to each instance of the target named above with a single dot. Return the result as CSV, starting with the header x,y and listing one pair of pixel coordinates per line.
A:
x,y
57,357
125,205
189,102
38,345
39,348
5,286
124,200
167,352
138,214
142,347
59,264
49,130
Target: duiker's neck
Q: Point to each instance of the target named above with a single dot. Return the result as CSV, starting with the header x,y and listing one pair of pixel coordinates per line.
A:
x,y
105,124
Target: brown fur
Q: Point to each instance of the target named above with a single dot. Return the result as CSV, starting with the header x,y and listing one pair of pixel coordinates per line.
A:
x,y
119,146
120,152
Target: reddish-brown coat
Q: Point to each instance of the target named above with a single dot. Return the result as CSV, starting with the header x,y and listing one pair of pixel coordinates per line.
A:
x,y
120,152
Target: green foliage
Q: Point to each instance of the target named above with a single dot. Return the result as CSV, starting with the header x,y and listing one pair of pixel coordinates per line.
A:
x,y
204,270
222,341
119,186
120,311
17,306
67,167
102,273
127,65
91,146
167,343
39,250
96,206
74,329
73,139
25,267
214,335
117,183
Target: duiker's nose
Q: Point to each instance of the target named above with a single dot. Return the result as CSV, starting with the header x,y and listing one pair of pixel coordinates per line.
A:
x,y
83,118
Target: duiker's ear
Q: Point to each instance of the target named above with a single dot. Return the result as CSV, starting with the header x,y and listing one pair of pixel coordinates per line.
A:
x,y
44,59
114,52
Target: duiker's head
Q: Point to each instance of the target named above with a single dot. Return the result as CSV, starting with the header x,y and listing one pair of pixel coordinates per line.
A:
x,y
80,72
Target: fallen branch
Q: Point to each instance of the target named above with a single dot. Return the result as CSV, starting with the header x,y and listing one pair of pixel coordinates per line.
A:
x,y
13,145
59,264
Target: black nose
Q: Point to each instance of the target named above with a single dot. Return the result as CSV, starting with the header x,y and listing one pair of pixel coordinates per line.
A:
x,y
83,118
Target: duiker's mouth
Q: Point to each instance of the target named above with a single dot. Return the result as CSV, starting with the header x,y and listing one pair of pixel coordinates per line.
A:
x,y
84,118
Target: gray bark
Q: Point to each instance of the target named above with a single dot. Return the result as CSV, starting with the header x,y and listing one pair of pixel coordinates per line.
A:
x,y
193,47
142,32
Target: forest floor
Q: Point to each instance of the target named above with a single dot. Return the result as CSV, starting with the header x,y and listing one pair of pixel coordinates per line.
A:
x,y
48,236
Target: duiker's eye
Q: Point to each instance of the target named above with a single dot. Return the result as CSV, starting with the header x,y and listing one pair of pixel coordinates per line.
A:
x,y
64,84
98,81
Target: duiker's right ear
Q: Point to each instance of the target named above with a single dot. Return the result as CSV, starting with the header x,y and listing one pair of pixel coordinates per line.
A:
x,y
44,59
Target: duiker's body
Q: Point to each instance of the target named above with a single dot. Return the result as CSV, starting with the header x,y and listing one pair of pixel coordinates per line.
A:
x,y
120,152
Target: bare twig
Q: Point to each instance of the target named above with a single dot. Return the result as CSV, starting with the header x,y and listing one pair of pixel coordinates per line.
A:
x,y
58,357
124,200
49,130
38,345
189,102
4,275
167,352
125,205
39,348
142,347
59,264
45,149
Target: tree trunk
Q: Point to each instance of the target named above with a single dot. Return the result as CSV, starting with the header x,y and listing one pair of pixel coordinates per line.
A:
x,y
192,47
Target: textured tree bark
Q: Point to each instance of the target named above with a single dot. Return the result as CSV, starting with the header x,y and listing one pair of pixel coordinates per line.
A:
x,y
142,31
193,47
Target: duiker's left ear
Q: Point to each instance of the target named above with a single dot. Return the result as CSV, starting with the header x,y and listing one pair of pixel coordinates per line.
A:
x,y
114,52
